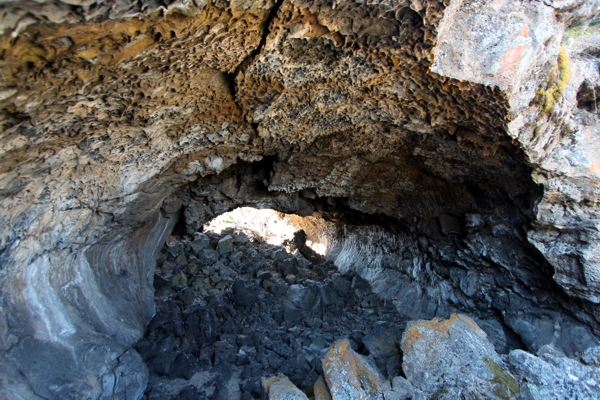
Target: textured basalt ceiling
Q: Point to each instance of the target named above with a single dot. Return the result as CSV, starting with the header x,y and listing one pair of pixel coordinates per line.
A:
x,y
421,114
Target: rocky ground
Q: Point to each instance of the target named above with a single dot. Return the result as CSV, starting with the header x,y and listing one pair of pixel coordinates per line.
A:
x,y
233,311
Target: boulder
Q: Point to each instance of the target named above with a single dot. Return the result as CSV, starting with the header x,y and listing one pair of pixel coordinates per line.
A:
x,y
225,245
201,242
303,297
350,375
279,254
342,286
301,260
453,358
552,375
208,257
281,388
320,390
402,389
180,280
244,296
288,267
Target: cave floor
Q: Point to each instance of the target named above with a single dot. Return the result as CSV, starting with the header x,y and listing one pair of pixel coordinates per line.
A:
x,y
231,310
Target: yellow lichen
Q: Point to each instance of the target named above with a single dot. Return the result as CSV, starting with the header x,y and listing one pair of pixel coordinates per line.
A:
x,y
502,377
561,74
439,394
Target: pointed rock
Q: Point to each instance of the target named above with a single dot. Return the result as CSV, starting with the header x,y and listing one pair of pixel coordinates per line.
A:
x,y
350,375
321,392
281,388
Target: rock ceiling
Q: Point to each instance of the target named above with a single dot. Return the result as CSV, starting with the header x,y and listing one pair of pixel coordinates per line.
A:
x,y
425,113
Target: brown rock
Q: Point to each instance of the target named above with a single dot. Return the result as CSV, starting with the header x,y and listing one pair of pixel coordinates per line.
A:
x,y
321,392
281,388
349,375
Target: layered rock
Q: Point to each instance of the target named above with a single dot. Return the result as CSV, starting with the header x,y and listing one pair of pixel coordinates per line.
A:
x,y
431,118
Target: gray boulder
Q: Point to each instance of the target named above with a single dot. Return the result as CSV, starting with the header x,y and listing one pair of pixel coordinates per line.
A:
x,y
208,257
552,375
402,389
225,245
201,242
453,358
306,298
302,261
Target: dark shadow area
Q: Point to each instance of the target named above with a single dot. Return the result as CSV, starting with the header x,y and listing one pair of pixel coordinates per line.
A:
x,y
587,97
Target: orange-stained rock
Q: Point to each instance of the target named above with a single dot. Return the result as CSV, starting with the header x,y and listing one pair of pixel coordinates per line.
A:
x,y
349,375
454,356
321,392
281,388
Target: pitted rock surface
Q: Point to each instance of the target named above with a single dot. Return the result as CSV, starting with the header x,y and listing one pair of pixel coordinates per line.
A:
x,y
460,129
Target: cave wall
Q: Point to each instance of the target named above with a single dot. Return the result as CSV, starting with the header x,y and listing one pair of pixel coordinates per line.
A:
x,y
116,114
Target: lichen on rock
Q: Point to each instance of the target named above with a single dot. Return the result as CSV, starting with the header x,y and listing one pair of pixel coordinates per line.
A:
x,y
557,82
350,375
454,356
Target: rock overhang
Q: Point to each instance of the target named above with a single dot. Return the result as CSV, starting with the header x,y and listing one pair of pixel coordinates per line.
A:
x,y
103,121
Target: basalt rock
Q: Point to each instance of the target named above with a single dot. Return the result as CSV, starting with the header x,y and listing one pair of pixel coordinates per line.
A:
x,y
446,149
349,375
227,329
551,374
280,388
454,359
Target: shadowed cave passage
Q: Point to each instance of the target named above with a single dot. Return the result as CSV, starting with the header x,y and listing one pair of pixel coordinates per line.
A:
x,y
232,308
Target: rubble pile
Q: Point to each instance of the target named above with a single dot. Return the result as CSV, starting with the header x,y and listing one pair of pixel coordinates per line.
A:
x,y
238,318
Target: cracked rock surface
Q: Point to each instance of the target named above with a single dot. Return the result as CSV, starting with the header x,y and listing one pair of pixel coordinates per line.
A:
x,y
449,148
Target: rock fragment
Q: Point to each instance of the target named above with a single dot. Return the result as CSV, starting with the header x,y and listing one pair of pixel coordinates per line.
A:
x,y
320,390
225,245
454,357
552,375
350,375
402,389
281,388
208,256
201,242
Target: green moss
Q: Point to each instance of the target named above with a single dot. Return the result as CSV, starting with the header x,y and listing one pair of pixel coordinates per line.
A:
x,y
578,31
555,91
501,392
582,29
502,376
437,395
